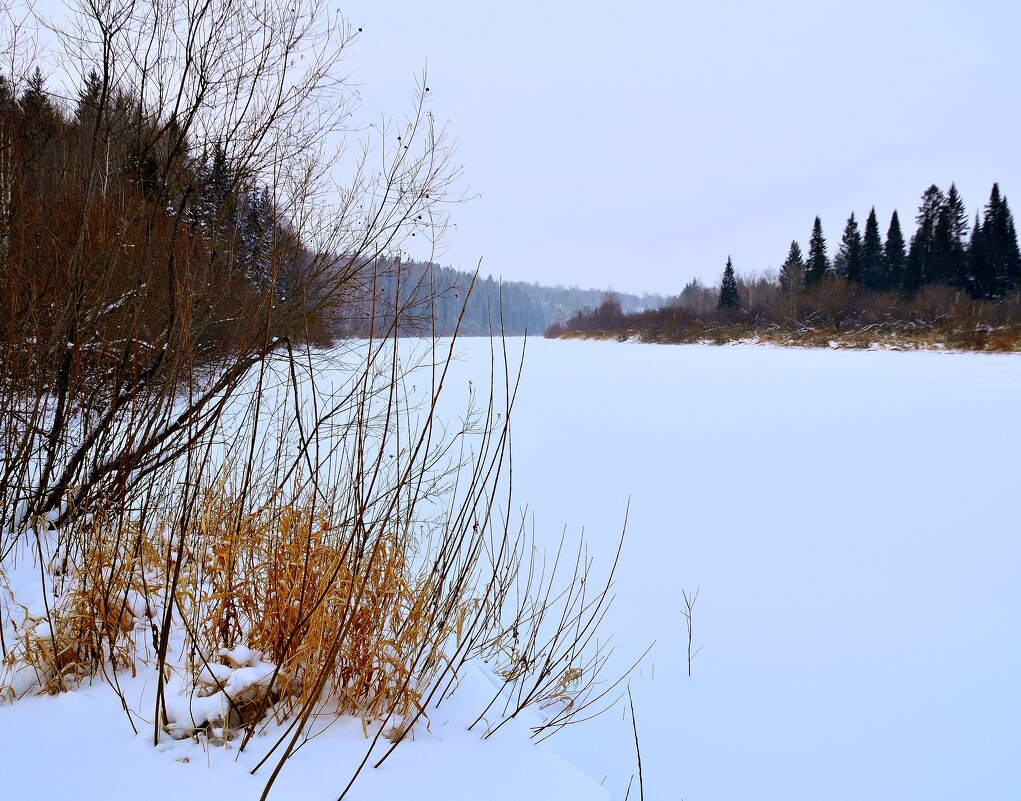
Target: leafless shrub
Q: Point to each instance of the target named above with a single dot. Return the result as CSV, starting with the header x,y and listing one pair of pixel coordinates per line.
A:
x,y
201,485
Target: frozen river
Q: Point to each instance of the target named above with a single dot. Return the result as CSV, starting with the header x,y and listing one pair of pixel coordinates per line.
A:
x,y
851,520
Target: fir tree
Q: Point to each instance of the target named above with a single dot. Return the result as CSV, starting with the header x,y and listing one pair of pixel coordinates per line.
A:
x,y
792,272
872,267
847,262
729,297
818,265
896,257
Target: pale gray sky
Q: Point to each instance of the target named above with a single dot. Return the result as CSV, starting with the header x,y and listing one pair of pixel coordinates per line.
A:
x,y
638,144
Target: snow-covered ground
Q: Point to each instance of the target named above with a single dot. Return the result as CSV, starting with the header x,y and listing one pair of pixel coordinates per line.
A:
x,y
78,745
850,520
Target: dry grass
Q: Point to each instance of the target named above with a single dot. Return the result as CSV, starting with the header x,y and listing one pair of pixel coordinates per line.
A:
x,y
100,597
285,581
314,597
974,338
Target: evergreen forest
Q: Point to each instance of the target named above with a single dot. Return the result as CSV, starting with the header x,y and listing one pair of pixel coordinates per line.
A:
x,y
953,283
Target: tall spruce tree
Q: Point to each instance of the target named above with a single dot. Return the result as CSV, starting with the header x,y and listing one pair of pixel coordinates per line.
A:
x,y
948,263
896,257
792,272
872,266
90,96
818,265
256,237
214,209
999,243
35,95
38,112
958,214
847,262
921,265
980,279
729,297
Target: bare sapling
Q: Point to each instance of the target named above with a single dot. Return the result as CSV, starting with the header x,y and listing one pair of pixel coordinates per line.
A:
x,y
687,611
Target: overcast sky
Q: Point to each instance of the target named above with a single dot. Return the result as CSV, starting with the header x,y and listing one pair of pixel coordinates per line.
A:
x,y
637,145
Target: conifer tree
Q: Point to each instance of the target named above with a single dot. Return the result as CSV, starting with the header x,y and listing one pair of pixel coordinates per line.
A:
x,y
999,242
958,215
872,267
792,272
256,235
896,257
214,209
40,116
35,97
729,297
818,265
89,97
847,262
921,267
948,258
980,280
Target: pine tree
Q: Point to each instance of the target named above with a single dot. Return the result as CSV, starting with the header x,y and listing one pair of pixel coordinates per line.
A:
x,y
921,264
847,262
792,272
818,265
729,297
872,266
896,258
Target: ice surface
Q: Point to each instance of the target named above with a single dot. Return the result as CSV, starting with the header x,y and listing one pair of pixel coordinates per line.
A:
x,y
852,521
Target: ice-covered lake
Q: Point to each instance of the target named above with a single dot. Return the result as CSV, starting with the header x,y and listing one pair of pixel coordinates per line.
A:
x,y
851,522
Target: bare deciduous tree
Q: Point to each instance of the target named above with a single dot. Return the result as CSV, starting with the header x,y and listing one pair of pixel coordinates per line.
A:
x,y
130,322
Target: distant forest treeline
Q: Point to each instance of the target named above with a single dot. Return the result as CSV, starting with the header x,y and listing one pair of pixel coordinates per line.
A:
x,y
953,285
424,295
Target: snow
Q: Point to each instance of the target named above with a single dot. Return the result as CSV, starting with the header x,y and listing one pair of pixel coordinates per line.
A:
x,y
79,745
849,519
